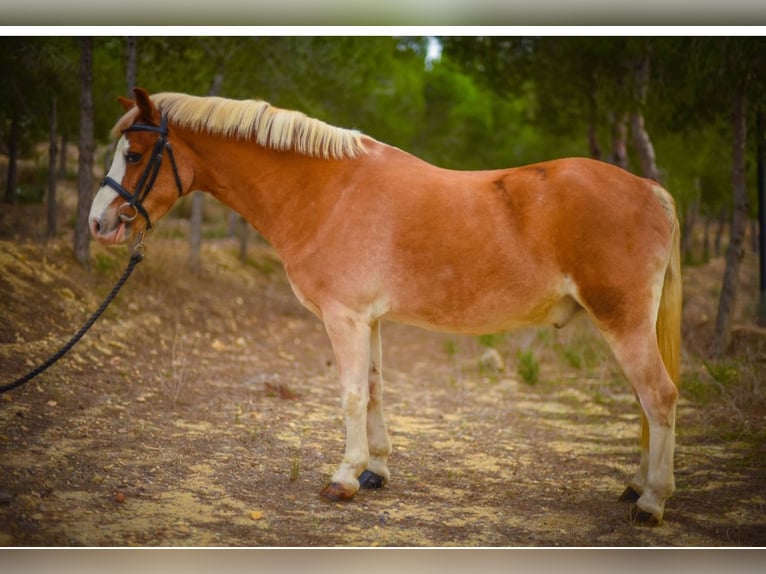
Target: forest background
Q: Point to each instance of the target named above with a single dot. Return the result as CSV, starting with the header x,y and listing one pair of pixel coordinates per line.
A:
x,y
686,111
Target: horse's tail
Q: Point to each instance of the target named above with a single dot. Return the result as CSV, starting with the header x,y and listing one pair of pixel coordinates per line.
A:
x,y
669,315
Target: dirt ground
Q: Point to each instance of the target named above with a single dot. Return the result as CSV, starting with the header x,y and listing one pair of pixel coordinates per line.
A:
x,y
203,410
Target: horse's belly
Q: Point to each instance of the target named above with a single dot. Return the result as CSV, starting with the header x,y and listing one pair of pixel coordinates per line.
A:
x,y
491,314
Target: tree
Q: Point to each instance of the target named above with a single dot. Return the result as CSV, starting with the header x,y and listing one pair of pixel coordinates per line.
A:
x,y
13,155
16,57
761,182
131,67
735,251
52,150
641,139
85,160
713,79
34,71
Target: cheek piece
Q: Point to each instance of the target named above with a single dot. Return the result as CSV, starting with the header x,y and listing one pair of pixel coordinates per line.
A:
x,y
133,205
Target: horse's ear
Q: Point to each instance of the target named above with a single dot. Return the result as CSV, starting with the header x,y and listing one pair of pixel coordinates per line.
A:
x,y
146,110
126,103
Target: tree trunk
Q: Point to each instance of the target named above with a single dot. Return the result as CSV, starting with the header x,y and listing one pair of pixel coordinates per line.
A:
x,y
641,138
13,157
761,182
52,172
720,230
706,240
687,232
244,235
619,141
644,147
198,199
595,149
85,161
233,219
131,67
195,230
62,155
735,251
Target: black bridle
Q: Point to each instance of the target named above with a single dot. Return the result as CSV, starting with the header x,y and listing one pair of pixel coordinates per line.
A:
x,y
135,200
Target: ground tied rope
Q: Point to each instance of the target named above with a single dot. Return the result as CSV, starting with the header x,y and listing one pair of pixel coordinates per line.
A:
x,y
134,260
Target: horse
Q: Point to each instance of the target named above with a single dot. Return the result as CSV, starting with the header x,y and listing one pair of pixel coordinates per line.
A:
x,y
368,232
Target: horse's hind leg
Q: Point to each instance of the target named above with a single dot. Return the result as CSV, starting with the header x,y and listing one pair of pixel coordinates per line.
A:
x,y
639,356
377,473
636,486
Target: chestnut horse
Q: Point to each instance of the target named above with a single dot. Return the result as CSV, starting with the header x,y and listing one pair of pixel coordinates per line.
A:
x,y
368,232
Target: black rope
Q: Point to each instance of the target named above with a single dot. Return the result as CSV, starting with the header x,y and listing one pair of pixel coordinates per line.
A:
x,y
134,260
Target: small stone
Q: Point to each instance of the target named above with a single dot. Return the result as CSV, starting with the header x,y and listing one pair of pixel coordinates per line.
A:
x,y
492,361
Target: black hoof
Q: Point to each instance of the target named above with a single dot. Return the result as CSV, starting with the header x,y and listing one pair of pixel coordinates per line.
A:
x,y
642,517
630,495
370,480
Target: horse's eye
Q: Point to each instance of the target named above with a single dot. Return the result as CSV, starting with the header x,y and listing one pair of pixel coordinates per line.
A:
x,y
132,157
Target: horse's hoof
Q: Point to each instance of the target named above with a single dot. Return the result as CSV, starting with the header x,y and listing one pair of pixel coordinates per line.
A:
x,y
337,491
630,494
370,480
643,518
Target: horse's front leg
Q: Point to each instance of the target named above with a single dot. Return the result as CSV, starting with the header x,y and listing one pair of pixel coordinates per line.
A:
x,y
351,344
377,473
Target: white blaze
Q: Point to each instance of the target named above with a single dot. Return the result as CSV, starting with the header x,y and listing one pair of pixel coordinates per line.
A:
x,y
106,195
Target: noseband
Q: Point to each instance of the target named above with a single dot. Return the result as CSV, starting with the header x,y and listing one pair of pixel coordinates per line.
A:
x,y
134,201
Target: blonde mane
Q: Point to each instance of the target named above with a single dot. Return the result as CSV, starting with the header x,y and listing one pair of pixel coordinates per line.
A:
x,y
255,120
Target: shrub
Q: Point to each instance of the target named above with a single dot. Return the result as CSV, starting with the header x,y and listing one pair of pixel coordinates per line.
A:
x,y
528,367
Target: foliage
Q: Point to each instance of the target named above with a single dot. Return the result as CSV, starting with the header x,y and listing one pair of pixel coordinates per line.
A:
x,y
528,367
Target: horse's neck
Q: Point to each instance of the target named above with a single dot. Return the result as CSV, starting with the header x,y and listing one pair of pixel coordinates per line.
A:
x,y
276,192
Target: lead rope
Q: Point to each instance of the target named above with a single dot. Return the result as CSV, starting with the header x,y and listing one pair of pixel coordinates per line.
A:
x,y
135,259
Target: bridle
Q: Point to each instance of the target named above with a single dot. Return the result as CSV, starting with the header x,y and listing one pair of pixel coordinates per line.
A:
x,y
134,201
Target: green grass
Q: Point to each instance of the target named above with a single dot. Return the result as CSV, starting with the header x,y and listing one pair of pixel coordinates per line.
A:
x,y
725,372
528,366
104,264
491,340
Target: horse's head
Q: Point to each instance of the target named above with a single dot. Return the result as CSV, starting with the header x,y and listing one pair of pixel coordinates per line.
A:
x,y
145,178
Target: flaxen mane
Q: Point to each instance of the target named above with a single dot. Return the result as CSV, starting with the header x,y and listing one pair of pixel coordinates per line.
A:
x,y
258,121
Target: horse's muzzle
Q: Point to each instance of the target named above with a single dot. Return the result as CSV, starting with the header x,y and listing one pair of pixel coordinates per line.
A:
x,y
106,235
